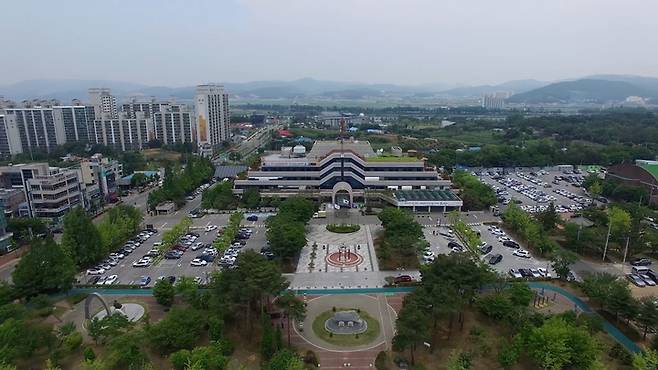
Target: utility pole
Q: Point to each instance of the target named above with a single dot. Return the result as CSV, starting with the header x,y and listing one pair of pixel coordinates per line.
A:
x,y
628,238
607,239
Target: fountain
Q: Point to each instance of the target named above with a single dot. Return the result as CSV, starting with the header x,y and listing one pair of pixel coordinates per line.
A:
x,y
346,322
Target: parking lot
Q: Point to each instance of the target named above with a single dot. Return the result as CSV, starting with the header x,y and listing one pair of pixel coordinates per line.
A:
x,y
535,189
129,275
439,245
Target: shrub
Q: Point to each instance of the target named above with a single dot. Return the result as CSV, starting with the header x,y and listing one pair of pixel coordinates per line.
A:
x,y
620,353
343,228
89,354
179,359
72,342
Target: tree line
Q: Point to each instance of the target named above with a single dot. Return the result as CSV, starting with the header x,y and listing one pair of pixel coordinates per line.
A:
x,y
178,183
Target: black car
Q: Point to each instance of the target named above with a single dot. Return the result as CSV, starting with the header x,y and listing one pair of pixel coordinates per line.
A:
x,y
252,218
525,272
494,259
511,244
641,262
93,280
454,245
172,279
486,249
206,257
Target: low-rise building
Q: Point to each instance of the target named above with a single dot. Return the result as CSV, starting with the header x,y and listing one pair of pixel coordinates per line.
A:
x,y
11,201
103,172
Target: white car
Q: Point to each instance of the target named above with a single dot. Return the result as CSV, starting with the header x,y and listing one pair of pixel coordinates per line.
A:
x,y
158,244
141,263
515,273
535,273
198,280
198,262
111,279
95,271
197,246
522,253
428,254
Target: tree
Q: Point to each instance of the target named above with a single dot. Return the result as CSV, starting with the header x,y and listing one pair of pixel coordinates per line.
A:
x,y
556,344
401,231
251,198
220,196
297,208
20,339
203,357
187,288
45,269
409,332
647,360
561,263
548,218
164,292
267,343
25,229
81,239
108,327
126,351
286,236
293,308
178,330
647,315
285,359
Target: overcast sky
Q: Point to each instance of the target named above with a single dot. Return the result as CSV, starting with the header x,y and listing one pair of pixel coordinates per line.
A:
x,y
177,43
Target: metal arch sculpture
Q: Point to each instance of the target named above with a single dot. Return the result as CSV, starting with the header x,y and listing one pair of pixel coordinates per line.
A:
x,y
88,300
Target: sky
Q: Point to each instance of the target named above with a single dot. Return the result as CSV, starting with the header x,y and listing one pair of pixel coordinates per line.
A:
x,y
183,43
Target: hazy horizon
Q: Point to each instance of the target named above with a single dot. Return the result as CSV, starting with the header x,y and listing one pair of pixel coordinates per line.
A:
x,y
367,41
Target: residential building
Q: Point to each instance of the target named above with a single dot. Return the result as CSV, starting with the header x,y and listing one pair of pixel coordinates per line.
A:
x,y
343,171
494,101
72,122
149,108
122,133
174,125
104,103
33,129
9,136
102,172
212,115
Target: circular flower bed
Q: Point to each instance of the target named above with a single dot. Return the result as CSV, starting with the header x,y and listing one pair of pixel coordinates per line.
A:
x,y
343,228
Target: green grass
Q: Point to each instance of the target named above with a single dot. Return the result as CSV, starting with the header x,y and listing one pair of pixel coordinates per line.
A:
x,y
346,340
343,228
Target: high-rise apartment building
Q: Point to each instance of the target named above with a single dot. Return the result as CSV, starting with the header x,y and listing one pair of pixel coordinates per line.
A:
x,y
149,108
34,127
72,122
175,125
10,142
104,103
122,133
495,101
212,115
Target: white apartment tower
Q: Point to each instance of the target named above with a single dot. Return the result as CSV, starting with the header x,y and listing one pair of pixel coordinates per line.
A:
x,y
104,103
211,105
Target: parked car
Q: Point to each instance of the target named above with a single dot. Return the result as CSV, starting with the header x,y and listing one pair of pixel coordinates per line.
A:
x,y
252,218
111,279
545,273
637,280
522,253
144,281
515,273
96,271
403,279
641,262
141,263
93,280
525,272
198,262
511,244
494,259
486,249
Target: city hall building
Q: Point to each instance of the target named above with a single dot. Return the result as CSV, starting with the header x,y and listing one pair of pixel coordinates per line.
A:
x,y
345,171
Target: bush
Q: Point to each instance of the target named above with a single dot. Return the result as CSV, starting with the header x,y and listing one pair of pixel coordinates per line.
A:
x,y
89,354
343,228
72,342
179,359
620,353
164,292
381,361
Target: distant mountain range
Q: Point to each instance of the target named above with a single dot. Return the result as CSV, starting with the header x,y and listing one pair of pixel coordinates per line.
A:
x,y
599,88
593,89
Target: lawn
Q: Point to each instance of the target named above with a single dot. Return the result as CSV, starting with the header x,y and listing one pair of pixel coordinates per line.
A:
x,y
346,340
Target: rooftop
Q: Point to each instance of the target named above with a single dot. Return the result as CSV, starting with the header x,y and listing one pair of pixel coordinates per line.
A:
x,y
322,148
424,195
392,158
